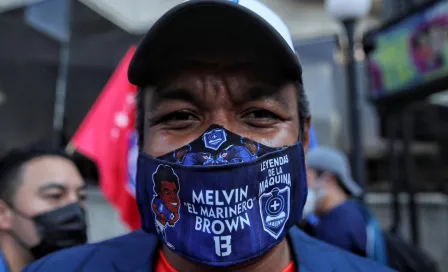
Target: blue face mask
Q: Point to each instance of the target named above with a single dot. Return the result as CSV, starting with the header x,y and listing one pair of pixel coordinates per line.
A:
x,y
223,199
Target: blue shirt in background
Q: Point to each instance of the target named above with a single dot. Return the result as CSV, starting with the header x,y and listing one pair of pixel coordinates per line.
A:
x,y
345,227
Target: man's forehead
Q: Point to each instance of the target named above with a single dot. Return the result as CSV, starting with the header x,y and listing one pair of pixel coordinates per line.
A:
x,y
244,77
188,69
242,82
158,99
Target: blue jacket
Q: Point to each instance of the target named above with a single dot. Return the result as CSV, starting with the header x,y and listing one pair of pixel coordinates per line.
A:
x,y
3,264
138,252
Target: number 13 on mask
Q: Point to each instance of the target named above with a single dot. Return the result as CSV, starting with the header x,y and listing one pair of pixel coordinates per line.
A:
x,y
223,245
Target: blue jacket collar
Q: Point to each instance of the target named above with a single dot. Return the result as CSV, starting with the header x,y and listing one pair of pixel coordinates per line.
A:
x,y
143,242
152,244
305,248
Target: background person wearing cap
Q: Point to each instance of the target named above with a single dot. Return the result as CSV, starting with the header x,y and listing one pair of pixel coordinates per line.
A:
x,y
41,199
341,220
212,74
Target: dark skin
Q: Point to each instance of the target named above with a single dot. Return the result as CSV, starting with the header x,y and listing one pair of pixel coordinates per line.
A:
x,y
248,99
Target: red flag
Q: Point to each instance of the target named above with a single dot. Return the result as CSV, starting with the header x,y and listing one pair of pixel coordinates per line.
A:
x,y
107,136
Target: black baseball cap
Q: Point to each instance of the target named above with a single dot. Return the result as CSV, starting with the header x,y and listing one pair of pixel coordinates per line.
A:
x,y
196,24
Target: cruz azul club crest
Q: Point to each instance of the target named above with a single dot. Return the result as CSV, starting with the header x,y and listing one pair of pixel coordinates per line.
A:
x,y
274,210
214,138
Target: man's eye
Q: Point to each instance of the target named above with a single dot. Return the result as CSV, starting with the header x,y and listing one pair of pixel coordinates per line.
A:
x,y
261,118
178,118
261,114
53,196
82,196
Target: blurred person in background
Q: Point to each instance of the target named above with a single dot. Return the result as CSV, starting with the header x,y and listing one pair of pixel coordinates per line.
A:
x,y
332,213
211,76
41,205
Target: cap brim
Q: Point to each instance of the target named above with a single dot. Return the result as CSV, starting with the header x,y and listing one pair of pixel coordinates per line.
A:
x,y
198,23
353,187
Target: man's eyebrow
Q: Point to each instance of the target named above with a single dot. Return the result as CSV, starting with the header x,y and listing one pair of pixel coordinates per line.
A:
x,y
182,94
270,93
52,185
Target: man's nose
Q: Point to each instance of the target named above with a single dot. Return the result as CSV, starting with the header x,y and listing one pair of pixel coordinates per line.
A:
x,y
224,117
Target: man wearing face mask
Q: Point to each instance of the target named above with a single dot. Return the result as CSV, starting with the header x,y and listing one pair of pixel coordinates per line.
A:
x,y
216,76
41,200
332,211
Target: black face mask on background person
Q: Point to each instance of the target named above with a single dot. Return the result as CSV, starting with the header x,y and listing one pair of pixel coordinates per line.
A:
x,y
58,229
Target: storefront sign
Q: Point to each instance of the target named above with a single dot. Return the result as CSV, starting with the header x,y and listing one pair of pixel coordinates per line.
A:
x,y
413,52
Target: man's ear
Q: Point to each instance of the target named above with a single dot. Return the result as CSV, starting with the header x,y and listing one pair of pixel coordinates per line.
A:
x,y
306,133
6,216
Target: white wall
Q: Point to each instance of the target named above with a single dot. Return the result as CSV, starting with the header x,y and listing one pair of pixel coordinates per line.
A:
x,y
103,220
